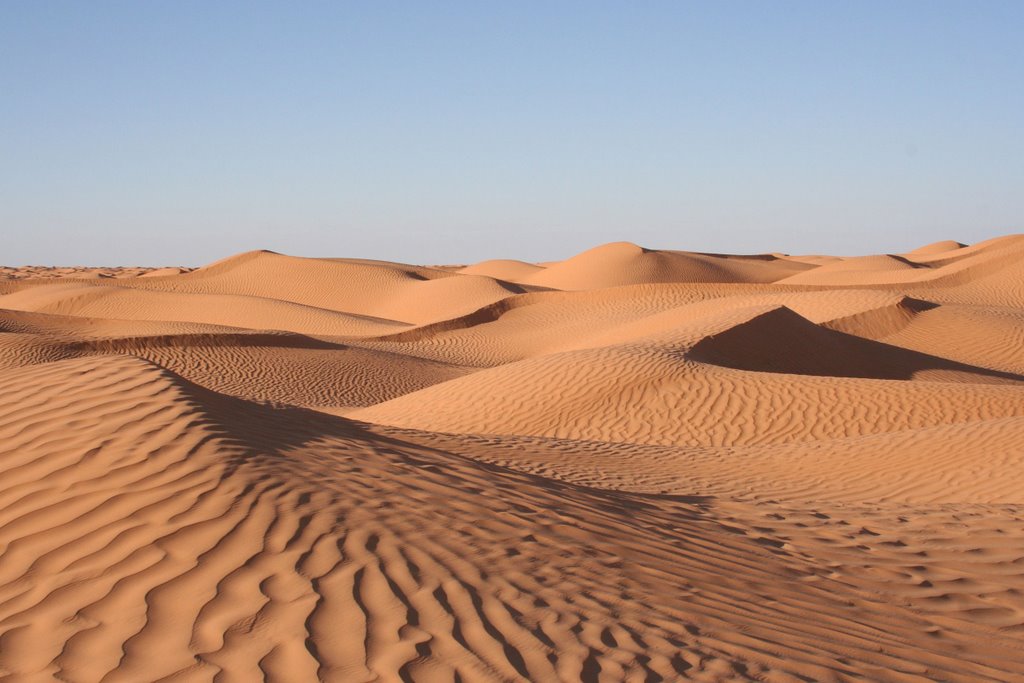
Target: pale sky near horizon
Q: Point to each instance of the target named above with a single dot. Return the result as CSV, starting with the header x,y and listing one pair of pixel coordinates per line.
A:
x,y
182,132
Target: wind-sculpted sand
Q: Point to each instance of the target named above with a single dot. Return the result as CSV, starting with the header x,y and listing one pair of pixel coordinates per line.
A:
x,y
632,465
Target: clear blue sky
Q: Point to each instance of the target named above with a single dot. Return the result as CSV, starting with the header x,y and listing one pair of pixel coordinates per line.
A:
x,y
434,132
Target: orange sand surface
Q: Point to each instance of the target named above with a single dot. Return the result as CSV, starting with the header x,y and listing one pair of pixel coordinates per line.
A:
x,y
630,465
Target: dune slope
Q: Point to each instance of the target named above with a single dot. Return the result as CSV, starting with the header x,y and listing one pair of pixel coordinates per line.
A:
x,y
630,465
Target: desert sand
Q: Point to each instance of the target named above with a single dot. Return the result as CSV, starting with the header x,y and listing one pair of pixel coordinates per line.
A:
x,y
632,464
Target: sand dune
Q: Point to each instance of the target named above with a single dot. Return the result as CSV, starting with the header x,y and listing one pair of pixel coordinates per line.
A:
x,y
624,263
632,464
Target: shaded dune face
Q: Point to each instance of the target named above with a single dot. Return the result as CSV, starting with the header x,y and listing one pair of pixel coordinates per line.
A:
x,y
629,465
783,342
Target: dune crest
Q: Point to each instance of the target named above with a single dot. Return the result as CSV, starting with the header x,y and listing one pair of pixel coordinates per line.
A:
x,y
632,464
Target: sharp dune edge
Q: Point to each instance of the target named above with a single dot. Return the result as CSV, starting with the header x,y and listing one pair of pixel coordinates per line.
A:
x,y
631,465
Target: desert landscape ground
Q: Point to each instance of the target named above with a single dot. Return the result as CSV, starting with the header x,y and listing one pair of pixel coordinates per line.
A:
x,y
632,464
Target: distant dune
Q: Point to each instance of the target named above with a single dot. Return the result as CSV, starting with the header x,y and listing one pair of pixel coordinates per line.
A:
x,y
630,465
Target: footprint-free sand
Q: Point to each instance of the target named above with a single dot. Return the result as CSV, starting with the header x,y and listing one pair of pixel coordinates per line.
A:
x,y
632,464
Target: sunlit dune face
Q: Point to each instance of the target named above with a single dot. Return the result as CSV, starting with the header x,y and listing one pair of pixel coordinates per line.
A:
x,y
633,464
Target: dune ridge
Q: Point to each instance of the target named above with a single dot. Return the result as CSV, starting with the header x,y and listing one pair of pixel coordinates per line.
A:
x,y
633,464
